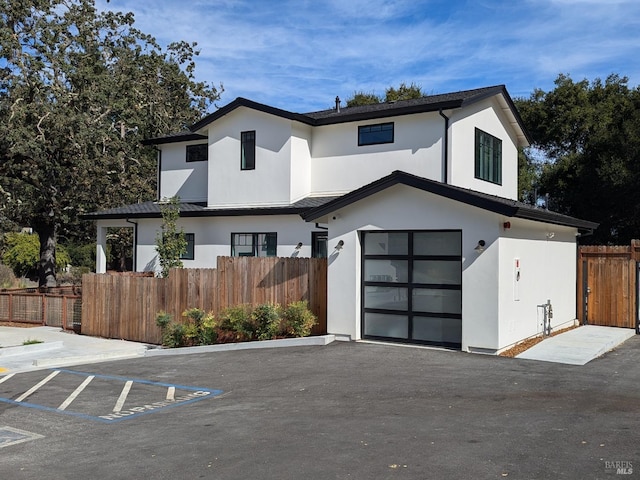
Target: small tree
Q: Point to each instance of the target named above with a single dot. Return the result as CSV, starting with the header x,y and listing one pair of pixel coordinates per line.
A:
x,y
170,243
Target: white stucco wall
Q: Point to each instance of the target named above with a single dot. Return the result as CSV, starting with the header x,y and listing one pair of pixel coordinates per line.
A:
x,y
547,272
406,208
213,237
269,183
487,116
339,165
300,185
177,177
491,319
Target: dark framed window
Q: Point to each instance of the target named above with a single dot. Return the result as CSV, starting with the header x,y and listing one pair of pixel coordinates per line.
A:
x,y
319,244
198,153
254,244
190,252
488,165
412,286
248,150
375,134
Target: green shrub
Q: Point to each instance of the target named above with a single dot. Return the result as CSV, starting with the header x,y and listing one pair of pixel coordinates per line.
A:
x,y
163,319
7,278
237,319
174,335
22,254
297,320
265,321
82,256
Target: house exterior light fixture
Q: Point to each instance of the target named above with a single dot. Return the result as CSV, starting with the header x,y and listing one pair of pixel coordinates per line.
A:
x,y
339,245
480,247
299,246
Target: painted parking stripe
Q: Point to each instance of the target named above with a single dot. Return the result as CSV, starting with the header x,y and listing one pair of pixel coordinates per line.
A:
x,y
177,395
76,392
123,396
37,386
6,377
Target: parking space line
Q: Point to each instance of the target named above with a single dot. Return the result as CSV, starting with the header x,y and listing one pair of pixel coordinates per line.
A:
x,y
37,386
6,377
123,396
176,395
76,392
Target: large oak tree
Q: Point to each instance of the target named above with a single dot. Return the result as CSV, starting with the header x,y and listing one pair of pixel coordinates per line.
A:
x,y
79,90
589,136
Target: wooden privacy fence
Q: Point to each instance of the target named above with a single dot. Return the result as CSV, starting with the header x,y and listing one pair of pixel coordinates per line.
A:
x,y
608,285
126,307
57,307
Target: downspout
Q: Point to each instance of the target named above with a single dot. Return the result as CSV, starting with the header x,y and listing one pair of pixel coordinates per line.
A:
x,y
445,170
158,173
135,244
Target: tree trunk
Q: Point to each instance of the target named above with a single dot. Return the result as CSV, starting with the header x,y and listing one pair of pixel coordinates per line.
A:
x,y
47,263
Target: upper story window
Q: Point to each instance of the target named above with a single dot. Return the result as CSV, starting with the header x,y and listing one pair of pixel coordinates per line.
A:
x,y
254,244
248,150
488,157
198,153
375,134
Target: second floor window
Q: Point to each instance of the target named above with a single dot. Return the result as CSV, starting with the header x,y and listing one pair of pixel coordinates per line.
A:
x,y
488,165
375,134
198,153
248,150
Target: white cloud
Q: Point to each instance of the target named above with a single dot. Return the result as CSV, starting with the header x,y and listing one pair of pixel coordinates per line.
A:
x,y
300,54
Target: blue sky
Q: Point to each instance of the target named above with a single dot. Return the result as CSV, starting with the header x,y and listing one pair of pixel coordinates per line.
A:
x,y
299,54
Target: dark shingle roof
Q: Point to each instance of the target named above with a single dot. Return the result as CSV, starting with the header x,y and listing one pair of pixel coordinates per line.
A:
x,y
492,203
152,210
429,103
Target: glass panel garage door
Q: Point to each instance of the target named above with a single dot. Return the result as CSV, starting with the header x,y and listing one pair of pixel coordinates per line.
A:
x,y
412,286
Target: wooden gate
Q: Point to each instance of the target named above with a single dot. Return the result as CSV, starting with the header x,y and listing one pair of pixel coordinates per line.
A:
x,y
608,285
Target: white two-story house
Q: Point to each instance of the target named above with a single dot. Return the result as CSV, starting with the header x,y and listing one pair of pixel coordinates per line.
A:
x,y
413,202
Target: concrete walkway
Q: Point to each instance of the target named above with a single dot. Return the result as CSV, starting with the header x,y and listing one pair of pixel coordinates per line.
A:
x,y
61,349
578,346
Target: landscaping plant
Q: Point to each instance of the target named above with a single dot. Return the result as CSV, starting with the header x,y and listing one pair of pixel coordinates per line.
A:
x,y
237,323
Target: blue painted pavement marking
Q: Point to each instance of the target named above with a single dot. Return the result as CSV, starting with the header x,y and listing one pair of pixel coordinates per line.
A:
x,y
191,395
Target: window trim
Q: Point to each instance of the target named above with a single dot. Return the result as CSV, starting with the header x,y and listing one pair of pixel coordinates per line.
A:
x,y
361,131
248,140
190,252
194,148
494,144
254,244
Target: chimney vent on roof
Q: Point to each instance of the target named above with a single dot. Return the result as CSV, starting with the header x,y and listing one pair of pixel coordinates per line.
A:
x,y
337,104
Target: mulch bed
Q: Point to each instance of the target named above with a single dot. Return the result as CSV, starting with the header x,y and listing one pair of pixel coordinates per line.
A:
x,y
527,344
19,324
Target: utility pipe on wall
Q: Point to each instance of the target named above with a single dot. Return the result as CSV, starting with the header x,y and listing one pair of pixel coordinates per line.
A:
x,y
445,169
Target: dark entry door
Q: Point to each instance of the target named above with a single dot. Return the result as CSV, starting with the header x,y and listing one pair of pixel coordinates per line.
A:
x,y
412,286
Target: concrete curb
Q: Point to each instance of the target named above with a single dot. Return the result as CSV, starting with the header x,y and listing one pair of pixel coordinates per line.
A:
x,y
226,347
28,349
81,359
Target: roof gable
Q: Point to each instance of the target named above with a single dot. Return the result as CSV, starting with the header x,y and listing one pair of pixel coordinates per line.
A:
x,y
499,205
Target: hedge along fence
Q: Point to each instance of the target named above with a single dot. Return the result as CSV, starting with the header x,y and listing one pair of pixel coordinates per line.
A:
x,y
125,307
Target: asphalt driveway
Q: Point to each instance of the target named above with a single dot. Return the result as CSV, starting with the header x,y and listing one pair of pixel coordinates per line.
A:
x,y
342,411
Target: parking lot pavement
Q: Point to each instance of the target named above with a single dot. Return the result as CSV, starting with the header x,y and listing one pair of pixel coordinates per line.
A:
x,y
347,411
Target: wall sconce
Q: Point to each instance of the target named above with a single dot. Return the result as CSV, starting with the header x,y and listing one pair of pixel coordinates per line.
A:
x,y
550,235
299,246
506,225
480,247
340,245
